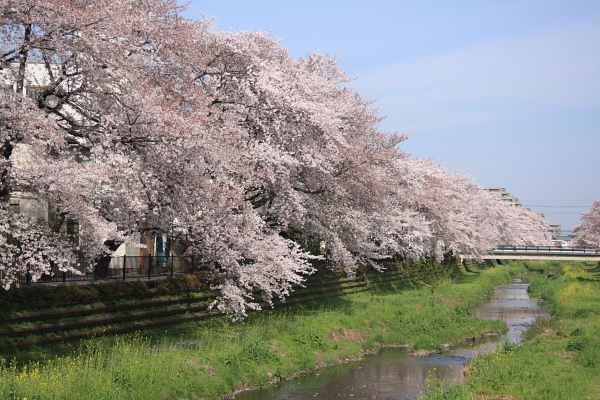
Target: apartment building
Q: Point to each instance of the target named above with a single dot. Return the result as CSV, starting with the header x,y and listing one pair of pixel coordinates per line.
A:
x,y
504,196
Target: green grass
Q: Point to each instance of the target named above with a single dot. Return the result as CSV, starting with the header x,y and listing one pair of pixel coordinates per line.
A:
x,y
560,358
221,357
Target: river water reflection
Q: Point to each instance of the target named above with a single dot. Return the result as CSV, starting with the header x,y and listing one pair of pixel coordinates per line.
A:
x,y
394,374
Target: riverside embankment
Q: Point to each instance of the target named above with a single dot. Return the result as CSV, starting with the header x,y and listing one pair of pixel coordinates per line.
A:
x,y
223,357
395,373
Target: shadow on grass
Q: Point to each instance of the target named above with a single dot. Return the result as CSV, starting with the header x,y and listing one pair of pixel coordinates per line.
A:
x,y
594,270
174,335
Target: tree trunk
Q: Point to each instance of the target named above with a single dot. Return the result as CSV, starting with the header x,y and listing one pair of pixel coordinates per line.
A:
x,y
103,262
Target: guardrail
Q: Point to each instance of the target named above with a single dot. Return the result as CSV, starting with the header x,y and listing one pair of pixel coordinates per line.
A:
x,y
547,249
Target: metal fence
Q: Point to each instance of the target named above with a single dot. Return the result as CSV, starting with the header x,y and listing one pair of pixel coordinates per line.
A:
x,y
124,268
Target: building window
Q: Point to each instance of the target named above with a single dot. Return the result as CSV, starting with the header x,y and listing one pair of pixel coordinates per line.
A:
x,y
34,92
14,204
5,91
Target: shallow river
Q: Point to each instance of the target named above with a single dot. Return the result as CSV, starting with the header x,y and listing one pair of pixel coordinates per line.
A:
x,y
394,374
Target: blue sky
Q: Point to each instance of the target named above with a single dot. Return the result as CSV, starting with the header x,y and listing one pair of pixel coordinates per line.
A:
x,y
505,91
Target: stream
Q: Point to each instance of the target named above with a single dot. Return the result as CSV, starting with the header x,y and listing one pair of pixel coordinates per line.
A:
x,y
392,373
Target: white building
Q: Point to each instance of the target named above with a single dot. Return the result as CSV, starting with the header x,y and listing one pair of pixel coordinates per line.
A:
x,y
504,196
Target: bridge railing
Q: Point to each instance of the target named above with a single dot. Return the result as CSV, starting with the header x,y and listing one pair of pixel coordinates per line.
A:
x,y
547,249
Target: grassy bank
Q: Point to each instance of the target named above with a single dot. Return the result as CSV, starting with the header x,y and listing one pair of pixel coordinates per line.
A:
x,y
210,361
560,358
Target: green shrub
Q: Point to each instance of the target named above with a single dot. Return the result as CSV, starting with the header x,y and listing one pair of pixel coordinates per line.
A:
x,y
577,344
589,355
258,352
426,342
312,337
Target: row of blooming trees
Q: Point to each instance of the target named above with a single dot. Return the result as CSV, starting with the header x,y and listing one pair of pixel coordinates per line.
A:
x,y
149,122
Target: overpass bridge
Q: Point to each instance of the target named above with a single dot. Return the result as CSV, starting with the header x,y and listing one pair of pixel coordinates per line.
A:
x,y
544,253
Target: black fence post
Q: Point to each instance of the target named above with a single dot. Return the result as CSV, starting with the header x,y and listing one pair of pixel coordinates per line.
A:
x,y
172,264
64,276
149,265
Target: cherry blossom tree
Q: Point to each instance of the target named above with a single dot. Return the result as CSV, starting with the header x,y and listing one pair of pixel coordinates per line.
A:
x,y
461,215
30,247
587,233
526,228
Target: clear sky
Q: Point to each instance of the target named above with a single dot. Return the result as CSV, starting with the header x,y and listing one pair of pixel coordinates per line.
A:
x,y
506,91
